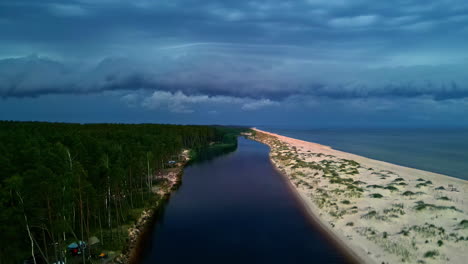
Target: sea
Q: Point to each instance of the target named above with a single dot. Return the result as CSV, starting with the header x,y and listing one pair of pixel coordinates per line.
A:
x,y
439,150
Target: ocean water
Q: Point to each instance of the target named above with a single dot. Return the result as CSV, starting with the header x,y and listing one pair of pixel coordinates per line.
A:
x,y
442,151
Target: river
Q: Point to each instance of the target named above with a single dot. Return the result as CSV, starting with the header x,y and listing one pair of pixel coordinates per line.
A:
x,y
237,208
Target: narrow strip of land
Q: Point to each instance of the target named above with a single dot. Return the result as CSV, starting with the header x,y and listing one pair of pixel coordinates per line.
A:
x,y
380,212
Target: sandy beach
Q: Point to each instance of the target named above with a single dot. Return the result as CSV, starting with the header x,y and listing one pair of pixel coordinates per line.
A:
x,y
377,211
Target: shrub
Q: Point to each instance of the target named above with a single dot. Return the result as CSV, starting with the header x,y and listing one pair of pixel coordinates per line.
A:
x,y
408,193
440,243
350,224
463,224
345,202
376,195
391,188
375,186
369,215
431,254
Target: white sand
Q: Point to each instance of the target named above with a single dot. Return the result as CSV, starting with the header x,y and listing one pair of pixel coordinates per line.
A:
x,y
380,212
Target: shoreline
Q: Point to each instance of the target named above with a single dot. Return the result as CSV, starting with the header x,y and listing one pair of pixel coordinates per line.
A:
x,y
364,239
139,232
315,221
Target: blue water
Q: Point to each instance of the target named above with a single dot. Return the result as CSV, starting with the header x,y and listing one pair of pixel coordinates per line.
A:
x,y
443,151
237,209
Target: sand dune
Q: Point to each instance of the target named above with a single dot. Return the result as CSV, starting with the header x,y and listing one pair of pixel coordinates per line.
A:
x,y
380,212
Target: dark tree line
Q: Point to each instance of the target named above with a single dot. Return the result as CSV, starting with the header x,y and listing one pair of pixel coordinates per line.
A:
x,y
66,182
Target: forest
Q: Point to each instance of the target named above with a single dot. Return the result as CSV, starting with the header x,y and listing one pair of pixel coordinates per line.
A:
x,y
63,182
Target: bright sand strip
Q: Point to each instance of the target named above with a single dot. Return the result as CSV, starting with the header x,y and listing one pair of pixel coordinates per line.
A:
x,y
379,211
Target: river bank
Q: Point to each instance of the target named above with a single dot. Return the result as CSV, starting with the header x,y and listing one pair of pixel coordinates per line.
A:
x,y
169,180
379,212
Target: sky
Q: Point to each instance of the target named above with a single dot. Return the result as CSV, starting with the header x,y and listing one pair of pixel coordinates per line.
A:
x,y
302,63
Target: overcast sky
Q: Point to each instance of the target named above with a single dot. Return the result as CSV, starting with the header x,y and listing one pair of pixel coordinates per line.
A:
x,y
309,63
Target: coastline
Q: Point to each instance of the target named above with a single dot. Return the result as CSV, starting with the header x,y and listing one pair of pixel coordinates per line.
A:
x,y
311,171
314,220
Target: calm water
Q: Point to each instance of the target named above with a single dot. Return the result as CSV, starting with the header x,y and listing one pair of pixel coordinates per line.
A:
x,y
438,150
237,209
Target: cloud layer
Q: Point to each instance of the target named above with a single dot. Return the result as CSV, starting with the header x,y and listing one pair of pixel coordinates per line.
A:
x,y
218,76
185,55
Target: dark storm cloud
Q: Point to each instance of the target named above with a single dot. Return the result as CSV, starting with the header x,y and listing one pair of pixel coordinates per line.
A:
x,y
34,76
267,50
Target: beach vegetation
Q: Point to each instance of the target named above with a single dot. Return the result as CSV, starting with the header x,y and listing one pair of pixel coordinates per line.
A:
x,y
350,224
444,198
440,188
345,202
375,195
422,184
431,254
375,186
440,243
359,182
394,210
420,205
398,179
408,193
463,224
420,179
370,215
391,188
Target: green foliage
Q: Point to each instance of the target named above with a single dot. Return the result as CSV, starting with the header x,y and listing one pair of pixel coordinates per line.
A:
x,y
420,205
463,224
391,188
76,181
431,254
444,198
375,195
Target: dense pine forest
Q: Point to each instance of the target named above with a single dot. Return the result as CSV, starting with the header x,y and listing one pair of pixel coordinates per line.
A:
x,y
67,182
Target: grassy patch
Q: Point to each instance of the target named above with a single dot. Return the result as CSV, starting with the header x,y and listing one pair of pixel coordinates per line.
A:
x,y
391,188
375,195
444,198
463,224
420,205
431,254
